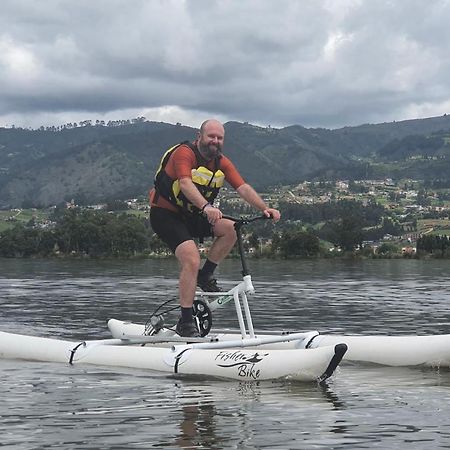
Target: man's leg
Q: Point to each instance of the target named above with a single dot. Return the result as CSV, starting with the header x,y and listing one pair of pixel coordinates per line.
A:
x,y
189,259
225,238
171,229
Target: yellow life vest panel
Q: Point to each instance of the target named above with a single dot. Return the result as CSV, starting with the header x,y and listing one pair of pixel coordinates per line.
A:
x,y
208,182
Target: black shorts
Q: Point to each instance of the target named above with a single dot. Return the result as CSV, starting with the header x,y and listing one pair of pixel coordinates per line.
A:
x,y
175,228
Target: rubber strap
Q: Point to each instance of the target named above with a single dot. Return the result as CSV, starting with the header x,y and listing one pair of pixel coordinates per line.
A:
x,y
177,360
339,352
73,351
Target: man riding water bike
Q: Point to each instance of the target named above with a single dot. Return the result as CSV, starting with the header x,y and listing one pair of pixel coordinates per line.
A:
x,y
186,184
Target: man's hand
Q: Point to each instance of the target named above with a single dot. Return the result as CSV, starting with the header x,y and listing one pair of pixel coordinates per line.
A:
x,y
273,213
212,214
253,198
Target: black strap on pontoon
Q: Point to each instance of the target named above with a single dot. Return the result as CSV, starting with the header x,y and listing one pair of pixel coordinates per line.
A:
x,y
73,351
177,360
308,344
339,352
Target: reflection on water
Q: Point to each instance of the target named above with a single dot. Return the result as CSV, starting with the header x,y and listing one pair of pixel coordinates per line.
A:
x,y
58,406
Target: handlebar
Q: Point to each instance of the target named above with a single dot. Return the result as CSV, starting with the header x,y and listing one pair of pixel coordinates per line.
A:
x,y
245,220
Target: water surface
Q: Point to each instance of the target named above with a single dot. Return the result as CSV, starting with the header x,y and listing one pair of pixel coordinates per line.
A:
x,y
47,405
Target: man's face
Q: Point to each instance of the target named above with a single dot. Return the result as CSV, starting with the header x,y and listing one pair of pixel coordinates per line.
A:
x,y
210,142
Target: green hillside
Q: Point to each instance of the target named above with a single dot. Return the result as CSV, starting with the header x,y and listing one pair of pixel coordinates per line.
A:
x,y
98,162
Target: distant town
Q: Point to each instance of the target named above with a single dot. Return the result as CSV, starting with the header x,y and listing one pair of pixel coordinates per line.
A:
x,y
416,209
411,208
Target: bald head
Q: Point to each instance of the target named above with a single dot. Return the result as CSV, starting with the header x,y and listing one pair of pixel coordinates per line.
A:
x,y
211,123
210,138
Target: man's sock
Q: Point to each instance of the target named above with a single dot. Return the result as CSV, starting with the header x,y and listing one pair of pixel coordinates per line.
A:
x,y
186,314
208,268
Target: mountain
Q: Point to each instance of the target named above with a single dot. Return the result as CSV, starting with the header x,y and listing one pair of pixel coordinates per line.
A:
x,y
93,163
435,145
364,140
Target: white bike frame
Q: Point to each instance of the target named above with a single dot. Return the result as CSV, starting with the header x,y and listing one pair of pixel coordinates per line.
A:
x,y
240,292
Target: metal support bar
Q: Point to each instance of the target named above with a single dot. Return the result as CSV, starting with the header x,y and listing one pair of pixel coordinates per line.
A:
x,y
239,314
237,227
248,315
247,342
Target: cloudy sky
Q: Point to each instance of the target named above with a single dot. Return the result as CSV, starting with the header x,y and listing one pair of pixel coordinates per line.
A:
x,y
317,63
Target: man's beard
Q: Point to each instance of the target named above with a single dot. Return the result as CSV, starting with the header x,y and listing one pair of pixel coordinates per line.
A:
x,y
208,152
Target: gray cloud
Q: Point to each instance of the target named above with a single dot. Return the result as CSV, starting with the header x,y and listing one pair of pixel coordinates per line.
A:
x,y
317,63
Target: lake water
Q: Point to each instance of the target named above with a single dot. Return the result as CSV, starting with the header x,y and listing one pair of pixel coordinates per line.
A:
x,y
57,406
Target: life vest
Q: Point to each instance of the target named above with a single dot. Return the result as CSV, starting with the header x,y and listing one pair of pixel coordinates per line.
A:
x,y
206,181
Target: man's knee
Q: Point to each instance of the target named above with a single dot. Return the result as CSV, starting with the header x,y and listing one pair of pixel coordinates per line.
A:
x,y
191,262
225,228
188,255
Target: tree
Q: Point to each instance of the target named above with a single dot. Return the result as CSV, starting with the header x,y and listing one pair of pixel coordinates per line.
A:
x,y
116,205
386,249
298,243
345,232
434,244
422,198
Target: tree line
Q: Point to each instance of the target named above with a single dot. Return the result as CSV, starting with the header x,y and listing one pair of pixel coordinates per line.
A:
x,y
99,233
438,246
102,233
85,123
79,232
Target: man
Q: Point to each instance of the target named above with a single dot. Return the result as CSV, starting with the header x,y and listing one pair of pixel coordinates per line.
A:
x,y
187,181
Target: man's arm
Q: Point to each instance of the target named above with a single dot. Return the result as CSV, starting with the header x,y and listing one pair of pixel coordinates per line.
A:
x,y
196,198
192,193
246,192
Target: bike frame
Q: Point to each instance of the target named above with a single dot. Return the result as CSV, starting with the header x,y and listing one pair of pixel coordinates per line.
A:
x,y
240,292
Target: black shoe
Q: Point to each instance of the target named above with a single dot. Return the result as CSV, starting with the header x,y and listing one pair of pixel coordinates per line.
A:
x,y
187,329
207,283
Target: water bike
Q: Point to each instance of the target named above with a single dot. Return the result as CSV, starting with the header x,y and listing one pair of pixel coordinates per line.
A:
x,y
406,350
245,356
